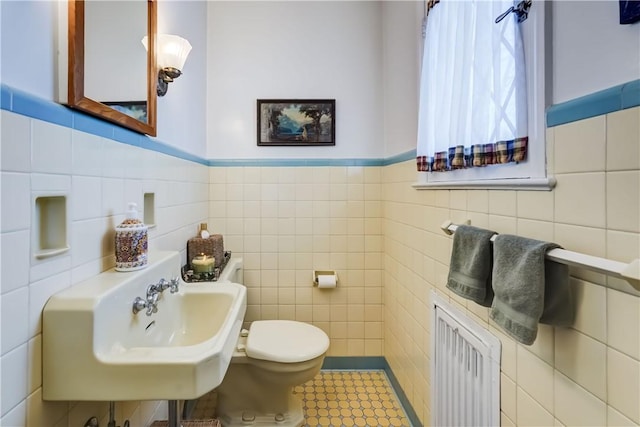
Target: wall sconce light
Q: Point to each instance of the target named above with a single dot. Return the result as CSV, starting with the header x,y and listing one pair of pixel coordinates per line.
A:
x,y
172,54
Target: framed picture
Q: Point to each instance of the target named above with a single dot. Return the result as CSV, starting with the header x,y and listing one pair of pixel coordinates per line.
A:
x,y
296,122
135,109
629,11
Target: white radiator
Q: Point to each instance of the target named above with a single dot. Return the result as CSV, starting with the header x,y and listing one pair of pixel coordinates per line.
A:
x,y
465,370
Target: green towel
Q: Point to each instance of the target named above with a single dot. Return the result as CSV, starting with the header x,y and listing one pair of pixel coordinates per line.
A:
x,y
528,288
470,266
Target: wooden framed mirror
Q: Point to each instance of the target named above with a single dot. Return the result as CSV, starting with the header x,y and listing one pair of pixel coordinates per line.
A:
x,y
110,73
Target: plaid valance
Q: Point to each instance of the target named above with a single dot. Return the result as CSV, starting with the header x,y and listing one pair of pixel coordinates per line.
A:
x,y
478,155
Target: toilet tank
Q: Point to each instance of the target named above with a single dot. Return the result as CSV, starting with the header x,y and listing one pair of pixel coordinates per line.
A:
x,y
232,272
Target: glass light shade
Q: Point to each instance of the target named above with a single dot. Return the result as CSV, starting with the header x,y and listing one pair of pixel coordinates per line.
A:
x,y
172,50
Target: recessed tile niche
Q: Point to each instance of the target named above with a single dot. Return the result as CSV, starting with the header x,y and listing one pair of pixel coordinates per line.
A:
x,y
50,226
149,217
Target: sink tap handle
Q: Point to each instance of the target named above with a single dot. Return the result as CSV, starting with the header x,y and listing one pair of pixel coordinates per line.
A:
x,y
174,285
153,290
151,308
152,298
152,303
162,285
138,305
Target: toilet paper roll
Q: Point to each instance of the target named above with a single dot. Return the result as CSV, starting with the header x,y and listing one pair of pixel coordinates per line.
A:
x,y
327,281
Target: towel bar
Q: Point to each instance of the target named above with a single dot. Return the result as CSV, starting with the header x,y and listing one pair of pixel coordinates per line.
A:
x,y
629,272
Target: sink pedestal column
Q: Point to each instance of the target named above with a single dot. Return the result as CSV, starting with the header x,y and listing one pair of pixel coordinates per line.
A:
x,y
175,419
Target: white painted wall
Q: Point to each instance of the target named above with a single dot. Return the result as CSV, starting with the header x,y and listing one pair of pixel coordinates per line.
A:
x,y
359,53
181,112
402,53
28,46
308,49
591,50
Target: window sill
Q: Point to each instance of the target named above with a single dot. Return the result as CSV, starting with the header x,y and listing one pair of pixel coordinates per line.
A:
x,y
530,184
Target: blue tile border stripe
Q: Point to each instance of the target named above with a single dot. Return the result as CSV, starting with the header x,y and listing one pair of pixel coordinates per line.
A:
x,y
29,105
38,108
605,101
296,162
355,362
631,94
374,362
399,158
617,98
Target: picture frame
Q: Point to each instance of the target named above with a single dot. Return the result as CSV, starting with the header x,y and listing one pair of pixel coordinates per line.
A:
x,y
296,122
135,109
629,11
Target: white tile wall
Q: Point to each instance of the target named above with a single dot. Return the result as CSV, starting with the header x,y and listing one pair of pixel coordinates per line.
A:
x,y
530,412
287,221
623,201
16,142
50,148
580,358
623,325
535,376
15,212
580,199
15,319
591,309
623,128
508,402
615,418
87,157
623,377
575,406
580,146
98,177
380,235
584,375
15,258
14,377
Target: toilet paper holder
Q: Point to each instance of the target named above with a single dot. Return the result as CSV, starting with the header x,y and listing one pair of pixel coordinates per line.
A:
x,y
317,273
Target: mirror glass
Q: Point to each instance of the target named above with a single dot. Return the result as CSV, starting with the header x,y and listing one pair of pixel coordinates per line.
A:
x,y
111,74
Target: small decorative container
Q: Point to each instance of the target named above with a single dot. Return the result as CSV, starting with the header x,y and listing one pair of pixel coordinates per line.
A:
x,y
131,242
203,264
190,275
211,245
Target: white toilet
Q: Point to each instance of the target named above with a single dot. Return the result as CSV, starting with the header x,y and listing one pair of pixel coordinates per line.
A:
x,y
271,358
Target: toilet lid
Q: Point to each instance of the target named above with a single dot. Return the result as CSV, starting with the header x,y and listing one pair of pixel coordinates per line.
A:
x,y
285,341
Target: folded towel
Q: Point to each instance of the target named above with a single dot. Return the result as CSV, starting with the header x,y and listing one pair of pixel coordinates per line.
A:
x,y
470,266
528,288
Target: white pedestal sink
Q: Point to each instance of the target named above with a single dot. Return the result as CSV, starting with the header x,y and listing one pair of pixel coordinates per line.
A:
x,y
96,349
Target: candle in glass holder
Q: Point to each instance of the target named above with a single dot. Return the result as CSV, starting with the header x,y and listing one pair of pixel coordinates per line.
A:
x,y
203,263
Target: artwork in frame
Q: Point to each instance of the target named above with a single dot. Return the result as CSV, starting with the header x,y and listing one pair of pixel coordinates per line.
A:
x,y
629,11
135,109
294,122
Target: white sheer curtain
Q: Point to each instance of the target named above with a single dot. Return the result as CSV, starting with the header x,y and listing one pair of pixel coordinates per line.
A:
x,y
473,87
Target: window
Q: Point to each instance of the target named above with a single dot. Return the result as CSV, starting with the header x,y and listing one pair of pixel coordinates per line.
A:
x,y
482,97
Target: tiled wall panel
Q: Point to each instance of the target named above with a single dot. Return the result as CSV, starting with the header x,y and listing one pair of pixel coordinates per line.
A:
x,y
583,375
98,176
288,221
367,223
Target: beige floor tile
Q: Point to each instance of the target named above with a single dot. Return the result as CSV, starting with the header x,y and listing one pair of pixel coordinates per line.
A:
x,y
337,398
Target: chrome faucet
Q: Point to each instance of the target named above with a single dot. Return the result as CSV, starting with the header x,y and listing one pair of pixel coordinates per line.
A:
x,y
150,303
163,284
153,291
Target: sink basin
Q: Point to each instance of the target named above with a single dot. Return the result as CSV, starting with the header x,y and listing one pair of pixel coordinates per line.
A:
x,y
95,348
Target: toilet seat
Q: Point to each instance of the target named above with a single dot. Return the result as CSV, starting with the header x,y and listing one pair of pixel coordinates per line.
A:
x,y
285,341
